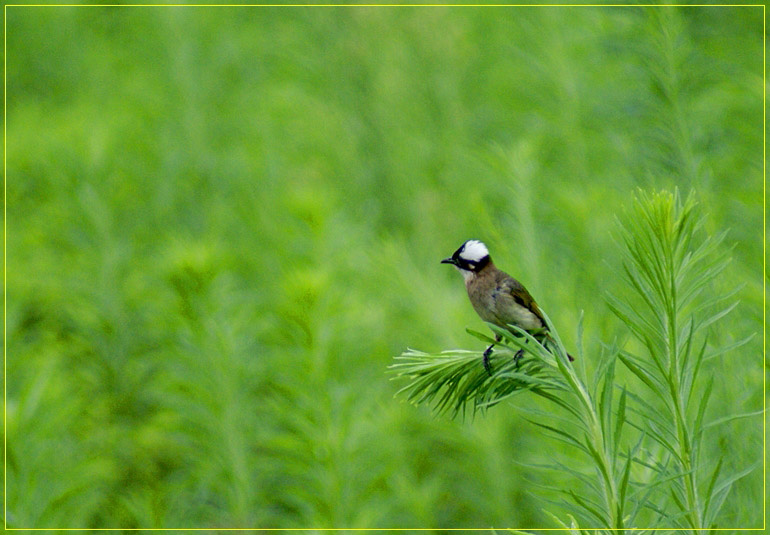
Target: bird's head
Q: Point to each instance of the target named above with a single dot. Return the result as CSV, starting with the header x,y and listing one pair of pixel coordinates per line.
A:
x,y
470,258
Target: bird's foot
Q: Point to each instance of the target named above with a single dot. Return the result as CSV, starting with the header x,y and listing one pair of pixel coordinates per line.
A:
x,y
517,357
487,365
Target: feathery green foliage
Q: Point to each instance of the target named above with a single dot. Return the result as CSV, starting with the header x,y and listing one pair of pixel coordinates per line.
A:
x,y
223,222
670,266
593,426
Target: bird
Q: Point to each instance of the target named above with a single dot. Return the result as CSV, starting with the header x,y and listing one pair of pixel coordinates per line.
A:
x,y
496,297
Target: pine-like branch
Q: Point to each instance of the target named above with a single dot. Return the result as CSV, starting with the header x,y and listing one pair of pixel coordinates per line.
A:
x,y
668,267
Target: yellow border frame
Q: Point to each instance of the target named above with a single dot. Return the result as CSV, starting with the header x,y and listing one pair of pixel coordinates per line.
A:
x,y
764,258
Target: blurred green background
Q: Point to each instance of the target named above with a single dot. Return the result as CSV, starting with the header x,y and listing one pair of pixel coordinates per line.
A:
x,y
224,222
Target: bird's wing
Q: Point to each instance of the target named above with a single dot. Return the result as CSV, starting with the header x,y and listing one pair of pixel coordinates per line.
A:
x,y
510,286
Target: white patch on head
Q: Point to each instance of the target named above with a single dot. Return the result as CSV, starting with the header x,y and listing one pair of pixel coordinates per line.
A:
x,y
473,251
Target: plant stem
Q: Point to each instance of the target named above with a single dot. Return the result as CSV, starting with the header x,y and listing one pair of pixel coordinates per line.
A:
x,y
599,444
685,451
675,382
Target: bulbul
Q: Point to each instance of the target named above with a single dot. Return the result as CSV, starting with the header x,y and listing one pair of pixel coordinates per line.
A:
x,y
496,297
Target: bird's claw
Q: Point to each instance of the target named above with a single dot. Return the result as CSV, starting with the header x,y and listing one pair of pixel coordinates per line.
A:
x,y
487,365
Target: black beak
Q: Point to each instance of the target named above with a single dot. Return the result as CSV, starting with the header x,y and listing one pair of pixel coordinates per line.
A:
x,y
449,260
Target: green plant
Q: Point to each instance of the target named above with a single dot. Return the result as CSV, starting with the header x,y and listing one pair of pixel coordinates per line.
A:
x,y
670,266
218,239
675,301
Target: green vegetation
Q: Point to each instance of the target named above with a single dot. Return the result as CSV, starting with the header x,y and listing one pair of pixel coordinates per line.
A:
x,y
670,269
224,223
